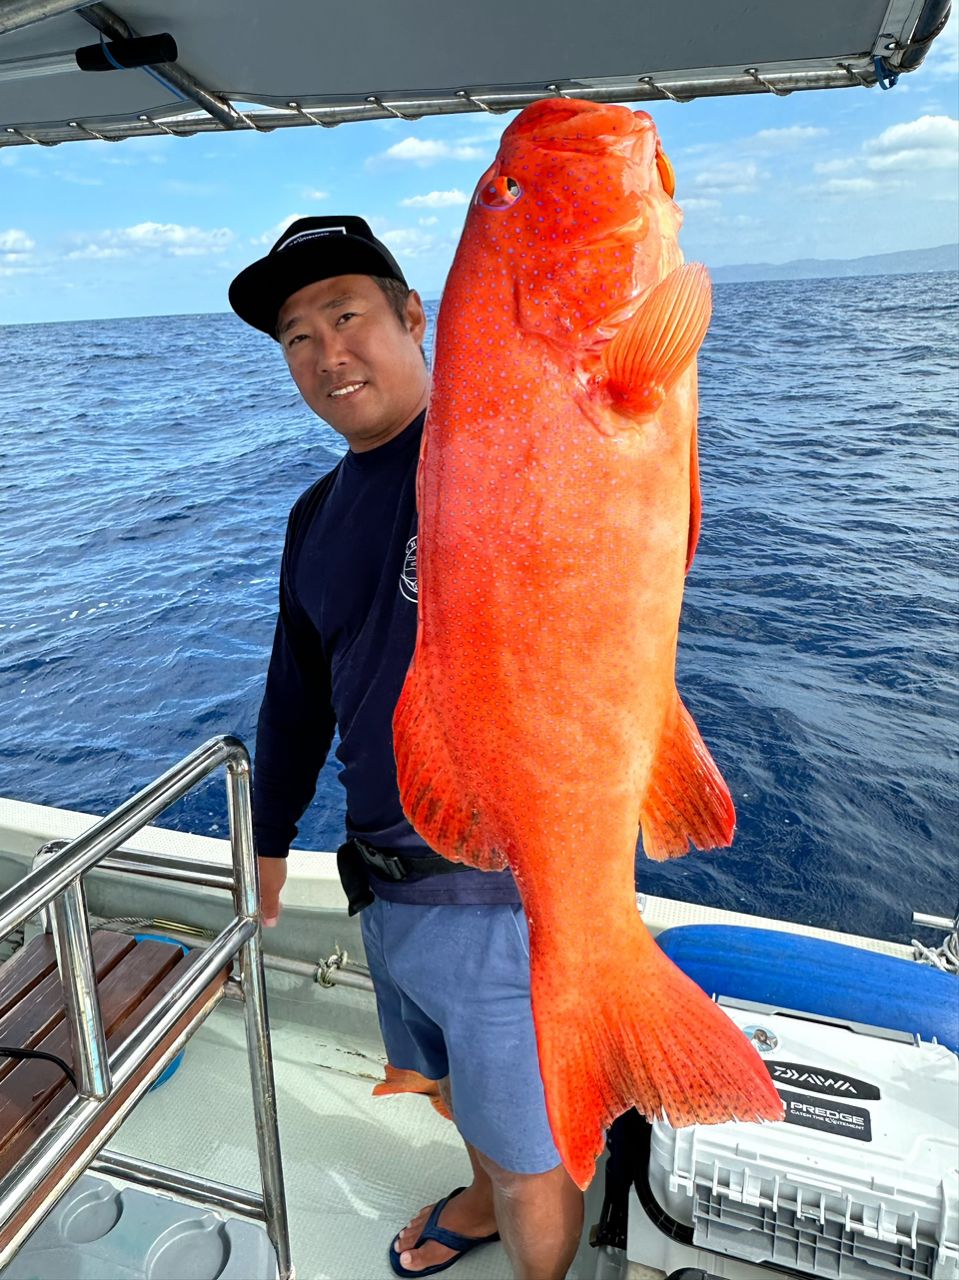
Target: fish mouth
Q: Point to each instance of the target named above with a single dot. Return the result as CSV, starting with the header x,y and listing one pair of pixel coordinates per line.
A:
x,y
572,124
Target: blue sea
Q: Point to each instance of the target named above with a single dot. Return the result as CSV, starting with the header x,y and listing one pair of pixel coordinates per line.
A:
x,y
148,466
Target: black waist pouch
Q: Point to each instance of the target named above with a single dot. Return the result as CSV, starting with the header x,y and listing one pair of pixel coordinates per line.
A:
x,y
354,876
359,862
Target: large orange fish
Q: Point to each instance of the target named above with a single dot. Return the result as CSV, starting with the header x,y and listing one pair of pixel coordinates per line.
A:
x,y
558,495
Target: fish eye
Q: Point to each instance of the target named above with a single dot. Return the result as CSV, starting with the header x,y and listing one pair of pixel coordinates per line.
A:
x,y
499,193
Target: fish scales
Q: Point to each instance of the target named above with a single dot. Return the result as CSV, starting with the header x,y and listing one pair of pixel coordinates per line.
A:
x,y
539,726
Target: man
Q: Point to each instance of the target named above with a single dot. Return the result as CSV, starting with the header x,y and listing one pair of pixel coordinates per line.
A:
x,y
352,332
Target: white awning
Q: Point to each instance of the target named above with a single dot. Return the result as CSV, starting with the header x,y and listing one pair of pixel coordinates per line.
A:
x,y
267,64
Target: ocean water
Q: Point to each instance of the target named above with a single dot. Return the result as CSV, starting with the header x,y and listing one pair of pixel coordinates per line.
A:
x,y
147,467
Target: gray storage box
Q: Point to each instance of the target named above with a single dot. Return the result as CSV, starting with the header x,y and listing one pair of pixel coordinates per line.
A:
x,y
96,1231
861,1182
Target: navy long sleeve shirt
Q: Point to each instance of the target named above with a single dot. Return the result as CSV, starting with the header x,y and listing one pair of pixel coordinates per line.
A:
x,y
344,639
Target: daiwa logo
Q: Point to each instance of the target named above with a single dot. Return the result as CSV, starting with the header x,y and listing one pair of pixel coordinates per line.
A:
x,y
797,1073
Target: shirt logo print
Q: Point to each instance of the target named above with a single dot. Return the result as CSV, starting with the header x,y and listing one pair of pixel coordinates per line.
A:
x,y
408,587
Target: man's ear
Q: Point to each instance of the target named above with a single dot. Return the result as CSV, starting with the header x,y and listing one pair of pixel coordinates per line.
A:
x,y
416,317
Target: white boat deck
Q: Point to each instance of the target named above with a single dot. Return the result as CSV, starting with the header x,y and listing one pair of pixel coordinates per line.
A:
x,y
357,1167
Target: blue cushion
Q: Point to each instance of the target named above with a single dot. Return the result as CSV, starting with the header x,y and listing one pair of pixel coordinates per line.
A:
x,y
813,975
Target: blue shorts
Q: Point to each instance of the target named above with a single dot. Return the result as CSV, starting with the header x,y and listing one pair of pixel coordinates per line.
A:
x,y
452,993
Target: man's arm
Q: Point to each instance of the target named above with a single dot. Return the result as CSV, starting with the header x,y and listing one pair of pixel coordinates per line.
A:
x,y
294,733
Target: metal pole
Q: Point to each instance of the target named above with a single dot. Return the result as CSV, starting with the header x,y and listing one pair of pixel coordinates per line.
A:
x,y
40,1165
253,981
163,866
74,948
44,883
933,922
189,1186
42,854
111,24
23,13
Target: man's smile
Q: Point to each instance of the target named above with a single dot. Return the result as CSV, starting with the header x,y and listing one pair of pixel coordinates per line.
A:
x,y
346,389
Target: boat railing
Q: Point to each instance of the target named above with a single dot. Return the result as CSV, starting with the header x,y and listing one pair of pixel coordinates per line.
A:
x,y
110,1084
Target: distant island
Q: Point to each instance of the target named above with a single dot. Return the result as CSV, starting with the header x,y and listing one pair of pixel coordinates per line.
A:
x,y
943,258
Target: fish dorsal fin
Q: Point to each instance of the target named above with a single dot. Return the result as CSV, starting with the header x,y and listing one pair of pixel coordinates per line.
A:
x,y
656,344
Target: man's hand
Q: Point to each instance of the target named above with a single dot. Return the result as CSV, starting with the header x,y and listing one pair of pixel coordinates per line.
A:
x,y
272,879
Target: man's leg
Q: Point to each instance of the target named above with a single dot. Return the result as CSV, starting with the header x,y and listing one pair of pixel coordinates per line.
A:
x,y
540,1218
470,1214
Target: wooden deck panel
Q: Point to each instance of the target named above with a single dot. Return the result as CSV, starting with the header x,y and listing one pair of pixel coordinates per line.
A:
x,y
32,1085
25,969
41,1007
132,978
94,1137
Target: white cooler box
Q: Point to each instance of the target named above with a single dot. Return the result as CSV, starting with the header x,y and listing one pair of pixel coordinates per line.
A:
x,y
860,1182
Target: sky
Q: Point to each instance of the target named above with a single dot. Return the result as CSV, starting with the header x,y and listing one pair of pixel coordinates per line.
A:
x,y
159,226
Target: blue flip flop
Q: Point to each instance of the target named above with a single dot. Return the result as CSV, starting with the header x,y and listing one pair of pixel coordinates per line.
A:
x,y
449,1239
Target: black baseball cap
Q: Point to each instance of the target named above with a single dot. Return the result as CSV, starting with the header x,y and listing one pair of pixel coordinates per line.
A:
x,y
310,249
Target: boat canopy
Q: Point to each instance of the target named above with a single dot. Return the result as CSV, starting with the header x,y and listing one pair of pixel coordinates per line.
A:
x,y
70,71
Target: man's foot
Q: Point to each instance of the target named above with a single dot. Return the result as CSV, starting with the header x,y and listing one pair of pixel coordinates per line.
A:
x,y
465,1218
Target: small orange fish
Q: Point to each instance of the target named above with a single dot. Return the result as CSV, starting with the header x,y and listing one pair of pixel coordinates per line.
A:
x,y
558,493
402,1080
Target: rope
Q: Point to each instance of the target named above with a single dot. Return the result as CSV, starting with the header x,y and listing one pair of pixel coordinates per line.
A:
x,y
944,957
886,78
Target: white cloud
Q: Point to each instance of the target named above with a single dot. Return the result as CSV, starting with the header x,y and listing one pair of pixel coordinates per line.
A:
x,y
427,151
272,234
931,142
410,242
80,179
696,204
735,177
15,242
834,166
788,137
311,193
427,222
96,252
849,187
167,238
177,240
436,200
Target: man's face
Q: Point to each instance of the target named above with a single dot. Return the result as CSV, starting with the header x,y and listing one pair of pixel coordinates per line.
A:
x,y
355,365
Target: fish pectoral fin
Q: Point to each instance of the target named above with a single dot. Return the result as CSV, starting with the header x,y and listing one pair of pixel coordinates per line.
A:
x,y
686,801
656,344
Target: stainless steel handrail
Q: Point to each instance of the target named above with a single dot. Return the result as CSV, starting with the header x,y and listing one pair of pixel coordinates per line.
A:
x,y
41,1176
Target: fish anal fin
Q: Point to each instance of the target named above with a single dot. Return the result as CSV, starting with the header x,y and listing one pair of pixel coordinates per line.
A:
x,y
655,345
686,801
404,1080
434,795
639,1034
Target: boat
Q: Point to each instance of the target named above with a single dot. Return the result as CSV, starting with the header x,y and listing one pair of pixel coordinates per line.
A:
x,y
688,1206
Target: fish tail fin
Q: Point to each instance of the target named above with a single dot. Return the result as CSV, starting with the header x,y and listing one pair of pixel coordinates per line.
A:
x,y
433,793
686,799
644,1037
